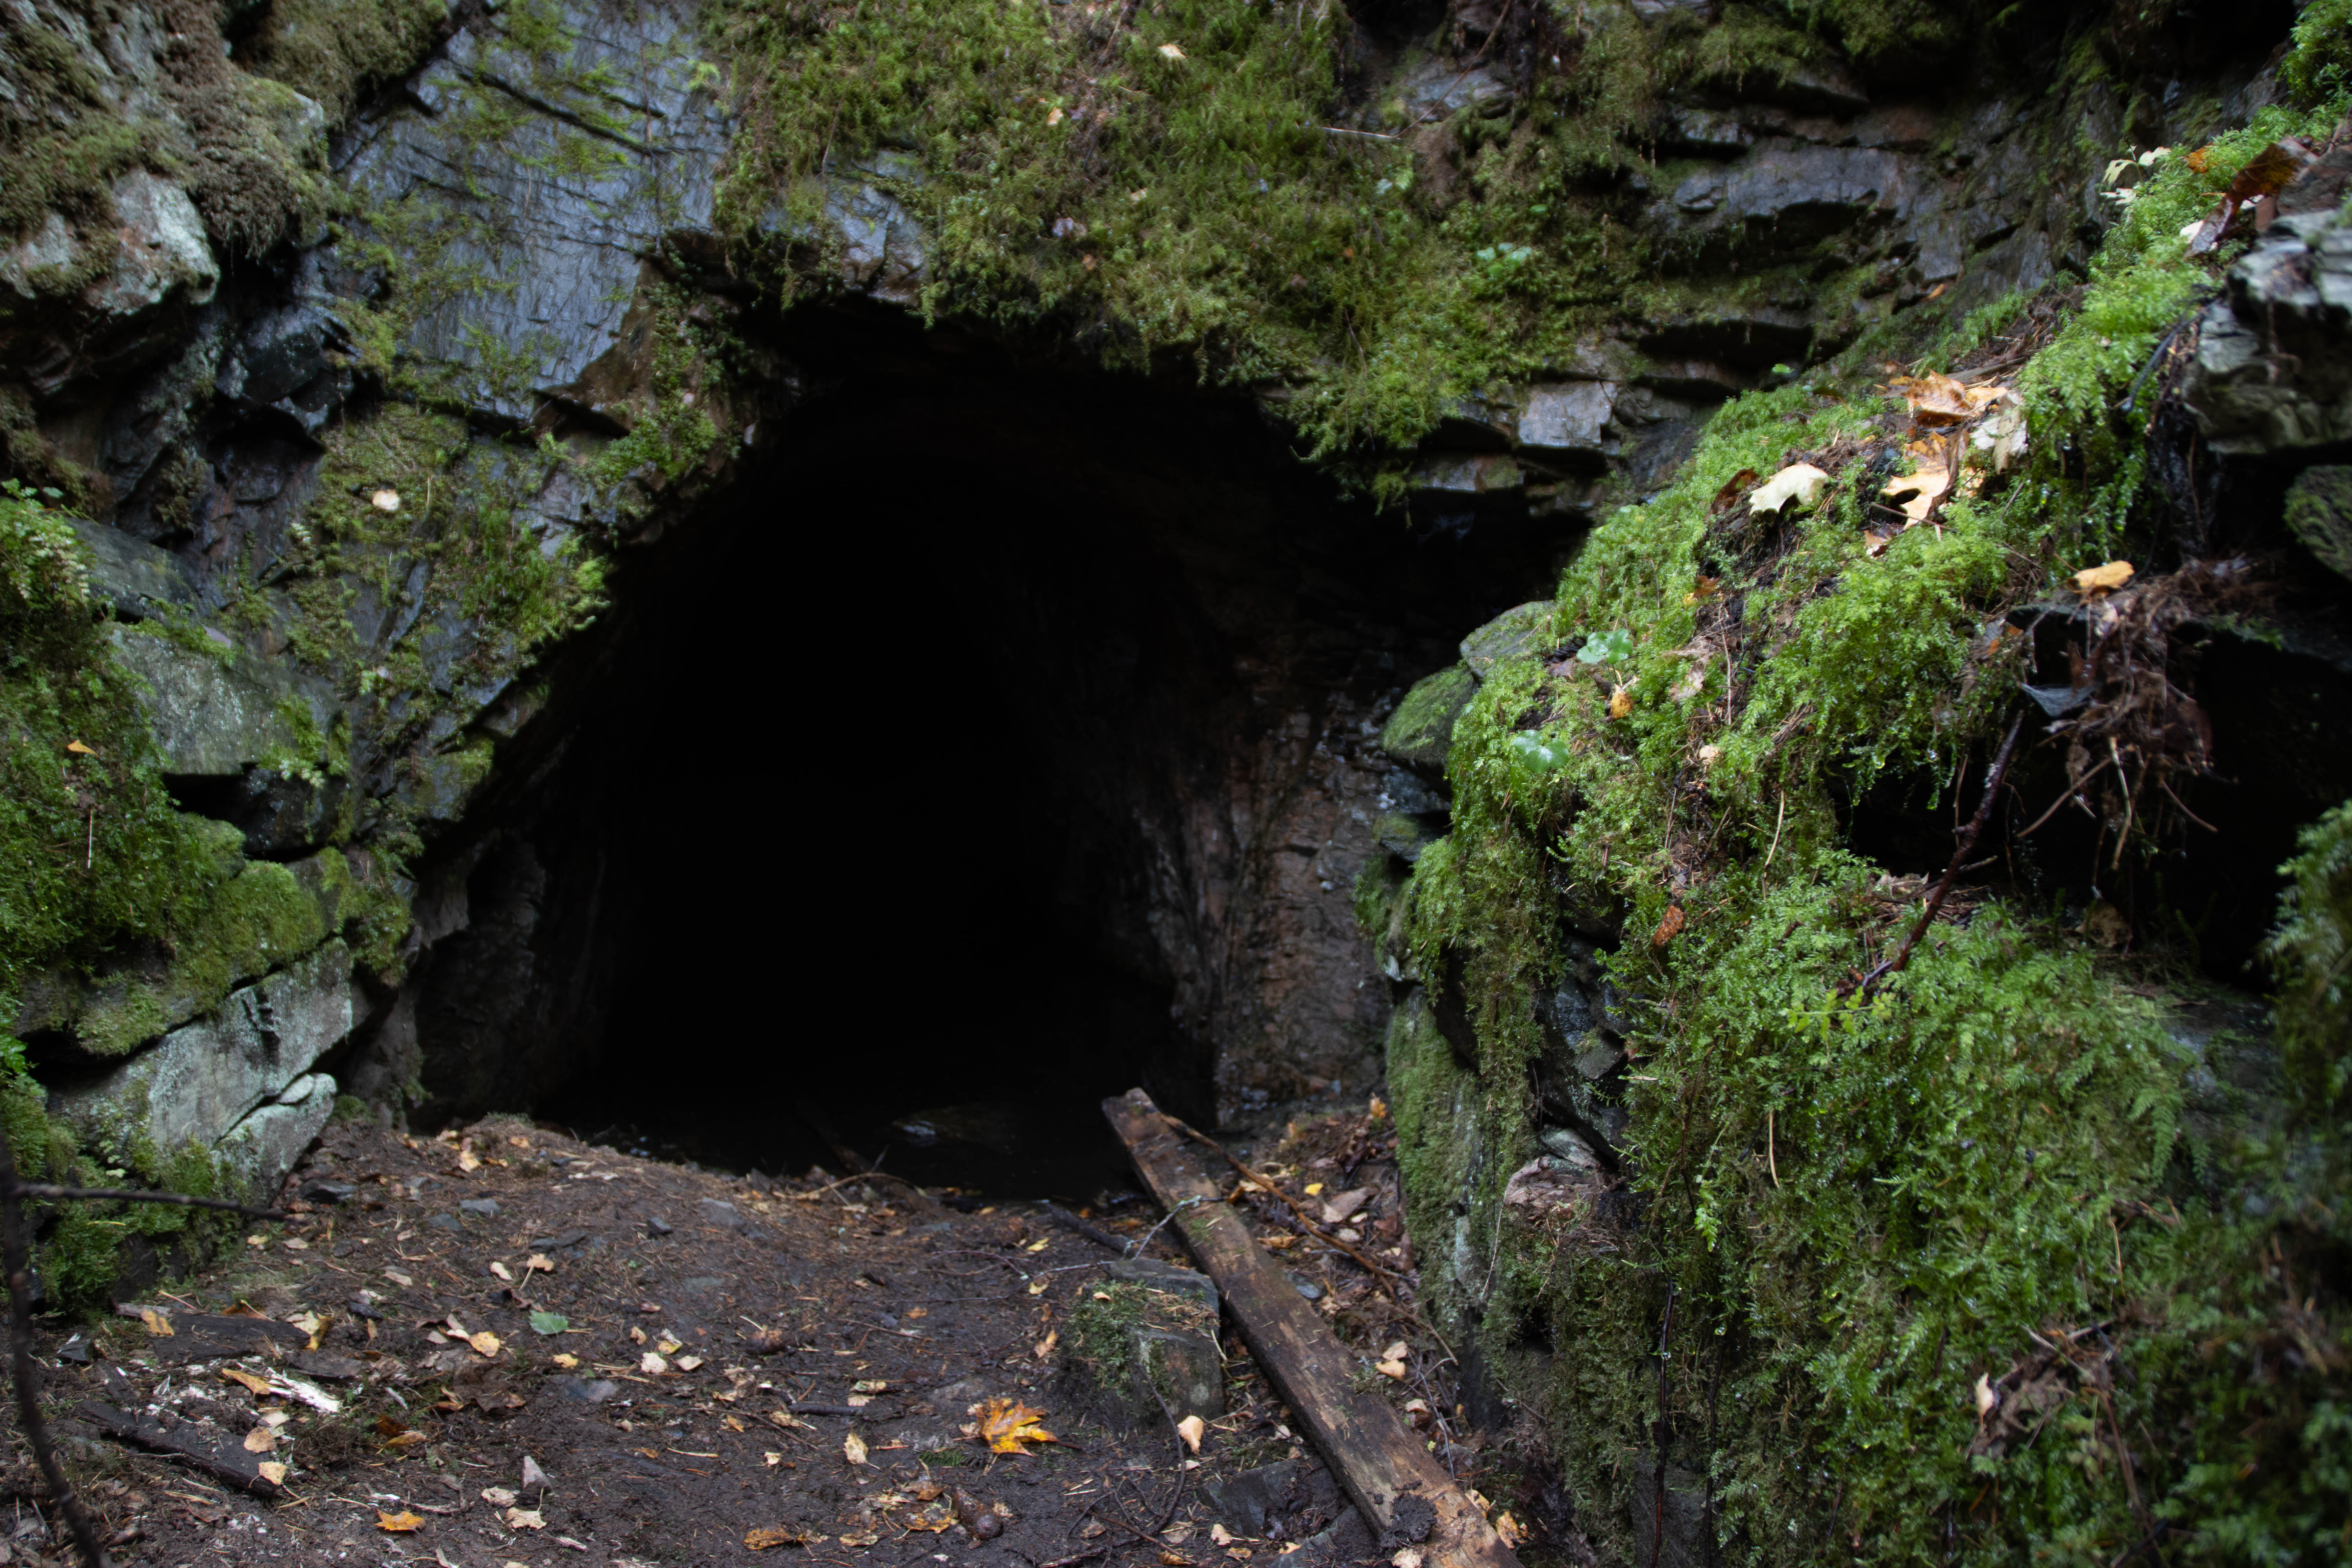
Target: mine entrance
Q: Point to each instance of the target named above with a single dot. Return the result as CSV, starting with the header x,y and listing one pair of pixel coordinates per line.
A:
x,y
948,779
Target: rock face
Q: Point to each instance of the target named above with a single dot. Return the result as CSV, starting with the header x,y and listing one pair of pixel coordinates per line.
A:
x,y
237,1084
2274,372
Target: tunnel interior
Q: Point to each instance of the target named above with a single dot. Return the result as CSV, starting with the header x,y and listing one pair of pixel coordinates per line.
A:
x,y
947,777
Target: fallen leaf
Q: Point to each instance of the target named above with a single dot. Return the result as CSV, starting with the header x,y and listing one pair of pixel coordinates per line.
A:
x,y
468,1161
786,1419
565,1360
1508,1528
1621,702
1706,588
155,1322
1406,1557
504,1273
1395,1369
260,1440
650,1362
1799,482
1339,1208
1221,1535
79,750
860,1541
251,1384
524,1518
398,1523
296,1244
853,1449
2103,579
1190,1429
1986,1397
549,1323
1006,1423
397,1278
1044,1347
484,1344
1314,1189
781,1534
636,1334
1669,927
385,500
1177,1534
2003,434
668,1344
871,1386
689,1362
1039,1244
732,1423
774,1459
1172,52
1936,399
499,1497
538,1261
270,1470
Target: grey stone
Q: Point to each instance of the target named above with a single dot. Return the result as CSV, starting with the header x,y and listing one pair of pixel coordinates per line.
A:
x,y
158,244
1568,420
1438,86
1420,733
1246,1502
200,1081
1517,633
1154,1275
133,576
2319,514
486,1207
584,1390
1599,1059
264,1146
1707,132
214,716
1467,477
1184,1369
724,1214
1307,1287
1573,1153
2274,367
559,239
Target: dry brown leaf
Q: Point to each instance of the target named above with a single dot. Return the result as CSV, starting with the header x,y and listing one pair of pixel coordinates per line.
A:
x,y
270,1470
524,1518
853,1449
1621,702
2103,579
503,1272
484,1344
565,1360
1006,1423
1926,488
1044,1347
538,1261
260,1440
1935,399
1669,927
650,1362
155,1322
468,1161
245,1379
79,750
1508,1528
1190,1429
500,1497
398,1523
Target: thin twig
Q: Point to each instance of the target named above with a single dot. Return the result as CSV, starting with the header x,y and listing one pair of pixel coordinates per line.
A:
x,y
2071,792
20,1343
1960,858
1093,1232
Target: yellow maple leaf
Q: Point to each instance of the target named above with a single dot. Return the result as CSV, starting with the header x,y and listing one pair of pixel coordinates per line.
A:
x,y
1006,1423
2103,579
398,1523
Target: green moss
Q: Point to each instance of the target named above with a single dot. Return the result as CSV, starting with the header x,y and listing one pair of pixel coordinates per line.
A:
x,y
1861,1205
1421,729
333,51
2317,70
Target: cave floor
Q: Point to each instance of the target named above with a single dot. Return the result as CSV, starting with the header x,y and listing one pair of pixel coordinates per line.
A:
x,y
642,1428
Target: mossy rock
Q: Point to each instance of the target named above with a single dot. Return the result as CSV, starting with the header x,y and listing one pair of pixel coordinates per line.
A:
x,y
2319,514
1517,633
1420,731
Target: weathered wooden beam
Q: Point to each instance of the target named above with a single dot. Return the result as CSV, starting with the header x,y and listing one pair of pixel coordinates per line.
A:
x,y
1376,1457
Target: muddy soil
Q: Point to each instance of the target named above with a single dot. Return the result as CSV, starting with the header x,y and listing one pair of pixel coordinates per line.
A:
x,y
506,1347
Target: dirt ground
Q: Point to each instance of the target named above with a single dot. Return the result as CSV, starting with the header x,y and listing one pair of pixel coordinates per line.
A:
x,y
504,1347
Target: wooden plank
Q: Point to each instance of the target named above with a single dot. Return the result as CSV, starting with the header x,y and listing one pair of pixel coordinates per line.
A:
x,y
1376,1457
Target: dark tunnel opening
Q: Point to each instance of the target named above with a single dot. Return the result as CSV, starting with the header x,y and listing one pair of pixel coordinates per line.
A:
x,y
1003,743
